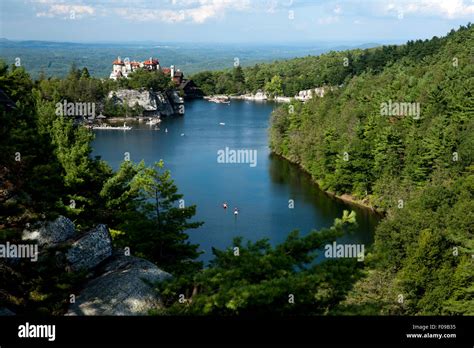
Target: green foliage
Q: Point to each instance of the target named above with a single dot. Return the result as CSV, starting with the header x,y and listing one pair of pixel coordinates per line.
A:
x,y
40,290
333,68
422,249
381,149
46,169
79,86
29,170
151,216
142,78
429,243
206,82
229,82
274,87
260,279
418,170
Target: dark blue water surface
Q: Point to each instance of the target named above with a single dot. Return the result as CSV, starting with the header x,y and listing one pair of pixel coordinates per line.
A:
x,y
261,193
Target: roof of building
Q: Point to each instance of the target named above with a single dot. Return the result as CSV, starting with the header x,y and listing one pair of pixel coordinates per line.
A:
x,y
135,64
118,61
151,62
166,71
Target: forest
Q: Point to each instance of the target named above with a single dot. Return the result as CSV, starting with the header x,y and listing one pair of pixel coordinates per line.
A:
x,y
288,77
417,170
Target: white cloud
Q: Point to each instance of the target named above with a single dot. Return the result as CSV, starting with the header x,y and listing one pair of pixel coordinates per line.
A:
x,y
201,11
450,9
171,11
63,10
207,9
195,11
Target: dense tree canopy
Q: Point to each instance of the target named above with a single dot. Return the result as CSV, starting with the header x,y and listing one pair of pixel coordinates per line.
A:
x,y
417,167
333,69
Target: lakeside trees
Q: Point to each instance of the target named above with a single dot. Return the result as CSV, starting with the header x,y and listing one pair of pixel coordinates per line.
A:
x,y
332,69
46,169
417,167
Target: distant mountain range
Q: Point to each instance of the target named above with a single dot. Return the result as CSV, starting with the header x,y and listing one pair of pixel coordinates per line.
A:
x,y
55,58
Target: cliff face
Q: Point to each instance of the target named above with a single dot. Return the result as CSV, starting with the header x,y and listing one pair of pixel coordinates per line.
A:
x,y
153,103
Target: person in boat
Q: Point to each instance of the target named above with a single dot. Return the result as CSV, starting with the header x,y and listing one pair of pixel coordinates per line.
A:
x,y
224,205
236,211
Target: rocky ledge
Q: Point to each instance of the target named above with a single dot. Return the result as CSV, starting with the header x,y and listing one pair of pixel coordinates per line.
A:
x,y
117,284
124,287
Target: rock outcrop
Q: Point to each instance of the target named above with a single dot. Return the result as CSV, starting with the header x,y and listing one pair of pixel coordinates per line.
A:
x,y
123,287
91,249
51,233
153,103
116,284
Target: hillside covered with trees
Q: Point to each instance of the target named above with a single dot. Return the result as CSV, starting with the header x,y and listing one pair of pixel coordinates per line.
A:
x,y
416,167
288,77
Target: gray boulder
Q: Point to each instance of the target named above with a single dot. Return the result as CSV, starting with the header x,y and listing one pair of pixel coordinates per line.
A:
x,y
52,232
91,249
122,288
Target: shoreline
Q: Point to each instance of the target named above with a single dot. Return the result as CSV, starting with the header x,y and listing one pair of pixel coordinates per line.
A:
x,y
250,97
346,198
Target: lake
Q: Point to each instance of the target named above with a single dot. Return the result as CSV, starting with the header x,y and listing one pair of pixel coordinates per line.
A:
x,y
261,190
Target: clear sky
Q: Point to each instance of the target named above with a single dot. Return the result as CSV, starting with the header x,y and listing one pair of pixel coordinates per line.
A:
x,y
256,21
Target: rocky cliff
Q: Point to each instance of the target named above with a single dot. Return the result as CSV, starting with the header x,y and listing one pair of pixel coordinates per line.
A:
x,y
153,103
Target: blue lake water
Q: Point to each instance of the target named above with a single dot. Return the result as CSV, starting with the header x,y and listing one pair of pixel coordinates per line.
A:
x,y
261,193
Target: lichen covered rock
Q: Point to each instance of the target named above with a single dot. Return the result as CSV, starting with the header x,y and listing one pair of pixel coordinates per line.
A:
x,y
124,287
52,232
91,249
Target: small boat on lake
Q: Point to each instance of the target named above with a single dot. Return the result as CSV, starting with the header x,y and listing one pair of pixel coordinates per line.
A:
x,y
153,121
